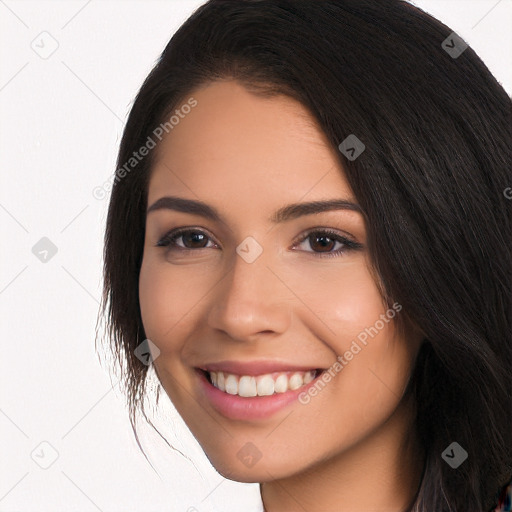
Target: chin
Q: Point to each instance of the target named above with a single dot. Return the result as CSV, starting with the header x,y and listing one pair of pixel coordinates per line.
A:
x,y
261,471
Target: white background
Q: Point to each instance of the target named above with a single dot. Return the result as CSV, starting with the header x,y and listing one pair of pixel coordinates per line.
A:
x,y
61,123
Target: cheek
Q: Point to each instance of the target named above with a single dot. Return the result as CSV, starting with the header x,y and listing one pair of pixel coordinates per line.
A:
x,y
376,361
164,306
152,297
347,300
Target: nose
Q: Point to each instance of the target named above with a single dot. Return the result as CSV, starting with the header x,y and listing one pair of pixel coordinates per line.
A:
x,y
250,301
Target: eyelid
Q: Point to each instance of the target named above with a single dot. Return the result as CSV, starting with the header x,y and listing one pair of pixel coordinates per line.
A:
x,y
176,232
322,229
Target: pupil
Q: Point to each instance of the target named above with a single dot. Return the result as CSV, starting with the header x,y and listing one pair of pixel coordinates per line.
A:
x,y
194,237
323,244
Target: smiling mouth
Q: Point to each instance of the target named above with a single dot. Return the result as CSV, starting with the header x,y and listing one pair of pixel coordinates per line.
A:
x,y
261,385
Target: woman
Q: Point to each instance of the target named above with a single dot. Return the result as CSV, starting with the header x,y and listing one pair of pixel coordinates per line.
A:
x,y
309,238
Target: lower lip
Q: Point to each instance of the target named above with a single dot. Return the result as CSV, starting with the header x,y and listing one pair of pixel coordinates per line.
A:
x,y
249,408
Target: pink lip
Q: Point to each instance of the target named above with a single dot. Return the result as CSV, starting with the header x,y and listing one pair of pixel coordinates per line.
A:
x,y
248,408
255,367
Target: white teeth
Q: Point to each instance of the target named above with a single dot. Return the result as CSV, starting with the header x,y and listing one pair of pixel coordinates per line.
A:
x,y
221,382
281,384
265,385
308,377
296,381
231,385
247,386
262,385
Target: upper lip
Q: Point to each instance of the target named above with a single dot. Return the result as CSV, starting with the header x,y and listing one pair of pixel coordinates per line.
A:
x,y
255,367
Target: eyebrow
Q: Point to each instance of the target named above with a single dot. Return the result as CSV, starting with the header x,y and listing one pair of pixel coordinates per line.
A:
x,y
288,212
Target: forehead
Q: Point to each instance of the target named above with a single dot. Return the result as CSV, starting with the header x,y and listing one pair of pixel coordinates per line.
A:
x,y
238,146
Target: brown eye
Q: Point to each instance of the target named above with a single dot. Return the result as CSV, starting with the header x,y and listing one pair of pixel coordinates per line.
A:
x,y
327,243
190,239
194,239
321,242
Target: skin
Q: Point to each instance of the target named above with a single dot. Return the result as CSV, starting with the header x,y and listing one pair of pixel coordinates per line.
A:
x,y
353,446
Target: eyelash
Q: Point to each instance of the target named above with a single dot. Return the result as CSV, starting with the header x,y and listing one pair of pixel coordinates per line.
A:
x,y
169,241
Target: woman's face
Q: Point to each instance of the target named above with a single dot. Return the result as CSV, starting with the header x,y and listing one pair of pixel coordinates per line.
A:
x,y
255,295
